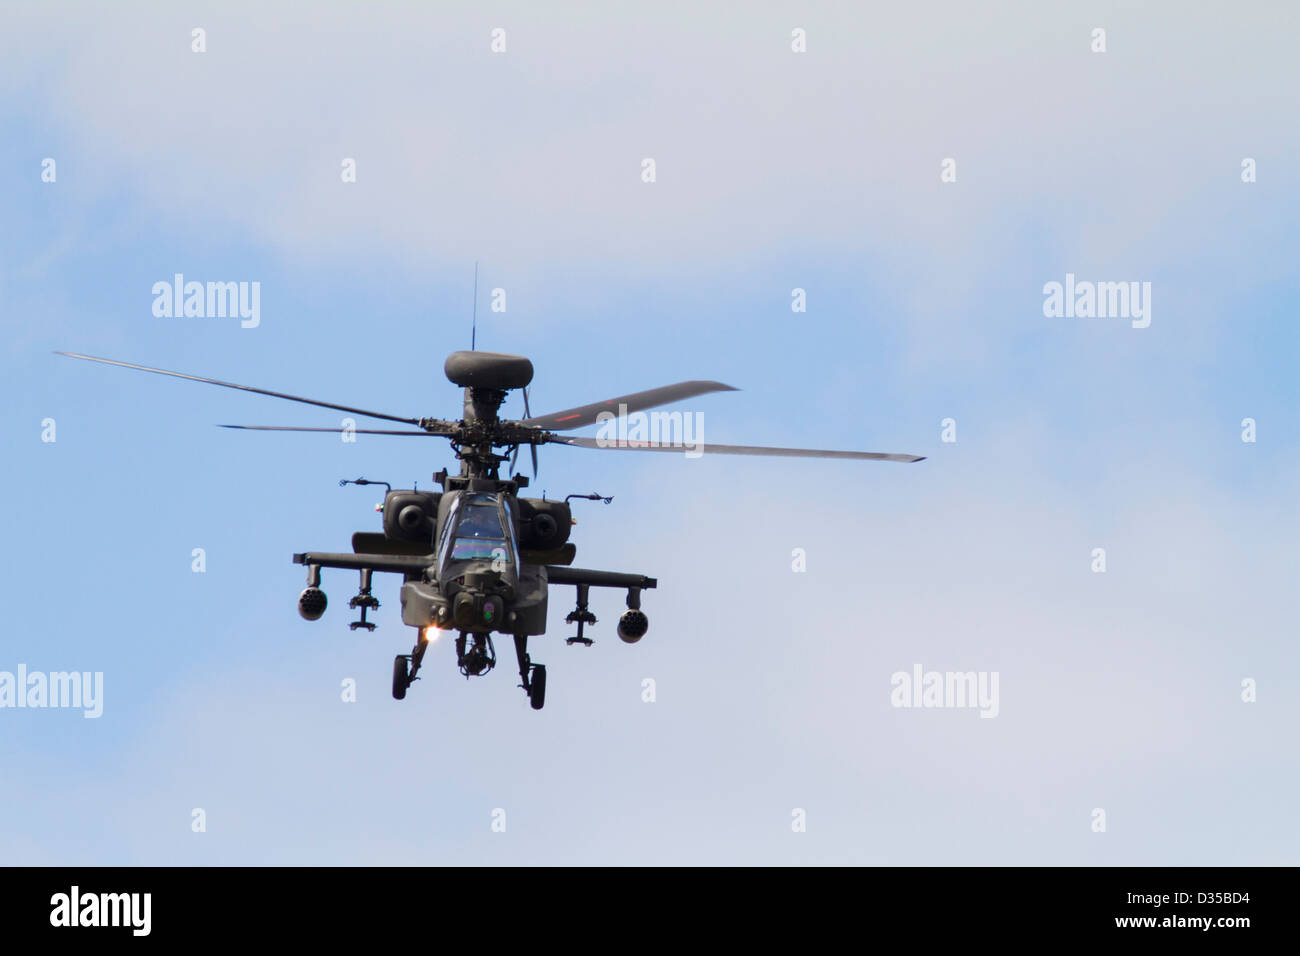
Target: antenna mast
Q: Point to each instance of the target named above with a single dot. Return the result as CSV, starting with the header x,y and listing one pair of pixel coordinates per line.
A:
x,y
473,334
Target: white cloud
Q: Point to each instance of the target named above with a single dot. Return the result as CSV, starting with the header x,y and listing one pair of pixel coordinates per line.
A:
x,y
534,155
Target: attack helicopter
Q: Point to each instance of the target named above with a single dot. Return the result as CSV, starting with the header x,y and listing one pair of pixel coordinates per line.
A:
x,y
476,558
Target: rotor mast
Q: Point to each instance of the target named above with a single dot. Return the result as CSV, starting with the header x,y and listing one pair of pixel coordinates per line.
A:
x,y
487,378
475,450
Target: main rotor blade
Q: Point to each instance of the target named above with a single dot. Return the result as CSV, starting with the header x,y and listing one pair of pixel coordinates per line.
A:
x,y
637,401
335,430
737,450
244,388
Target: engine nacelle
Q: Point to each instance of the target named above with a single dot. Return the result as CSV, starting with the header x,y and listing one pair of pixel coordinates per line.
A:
x,y
311,603
543,525
410,515
632,625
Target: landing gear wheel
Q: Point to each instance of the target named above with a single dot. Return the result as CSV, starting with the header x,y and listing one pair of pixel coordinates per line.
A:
x,y
400,680
537,687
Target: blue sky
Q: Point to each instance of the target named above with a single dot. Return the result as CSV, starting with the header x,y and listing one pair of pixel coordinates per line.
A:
x,y
776,170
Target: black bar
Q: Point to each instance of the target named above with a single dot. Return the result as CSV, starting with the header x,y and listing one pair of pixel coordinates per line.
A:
x,y
977,907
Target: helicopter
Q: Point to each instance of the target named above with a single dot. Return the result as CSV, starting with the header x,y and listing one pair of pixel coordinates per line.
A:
x,y
476,558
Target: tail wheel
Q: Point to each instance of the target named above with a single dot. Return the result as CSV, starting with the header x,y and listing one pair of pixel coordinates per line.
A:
x,y
537,687
400,680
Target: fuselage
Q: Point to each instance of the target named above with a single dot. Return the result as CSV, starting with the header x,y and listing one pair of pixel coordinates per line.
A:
x,y
478,581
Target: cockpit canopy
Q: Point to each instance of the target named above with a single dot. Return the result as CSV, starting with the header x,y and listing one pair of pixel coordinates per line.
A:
x,y
478,530
479,527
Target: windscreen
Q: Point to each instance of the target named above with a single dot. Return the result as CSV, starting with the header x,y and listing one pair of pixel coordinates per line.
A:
x,y
479,534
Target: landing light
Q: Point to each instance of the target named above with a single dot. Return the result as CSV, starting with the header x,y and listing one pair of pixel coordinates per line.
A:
x,y
430,635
